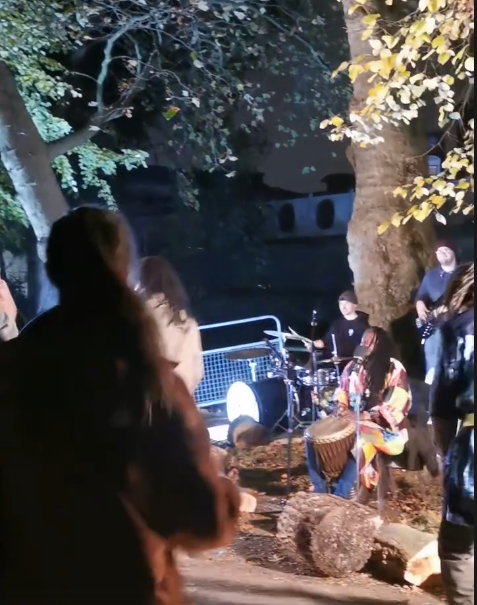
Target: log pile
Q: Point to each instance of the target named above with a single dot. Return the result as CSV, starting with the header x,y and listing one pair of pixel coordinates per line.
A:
x,y
335,538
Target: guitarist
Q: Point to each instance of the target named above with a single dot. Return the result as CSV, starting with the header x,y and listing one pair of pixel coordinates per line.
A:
x,y
431,292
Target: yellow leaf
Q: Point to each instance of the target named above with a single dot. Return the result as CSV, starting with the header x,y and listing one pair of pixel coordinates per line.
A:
x,y
391,41
438,200
171,113
341,68
423,212
367,34
396,220
371,19
337,121
470,64
355,71
383,228
444,58
439,42
400,192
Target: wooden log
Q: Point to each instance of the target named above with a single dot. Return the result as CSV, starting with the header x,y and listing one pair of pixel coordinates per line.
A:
x,y
406,554
333,537
245,433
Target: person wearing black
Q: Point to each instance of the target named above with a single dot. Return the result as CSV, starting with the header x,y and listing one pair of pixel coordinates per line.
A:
x,y
431,292
452,410
346,333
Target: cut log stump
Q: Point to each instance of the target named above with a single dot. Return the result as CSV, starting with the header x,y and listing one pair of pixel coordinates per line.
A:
x,y
406,554
332,536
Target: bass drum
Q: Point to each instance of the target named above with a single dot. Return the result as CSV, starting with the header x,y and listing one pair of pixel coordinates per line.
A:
x,y
265,402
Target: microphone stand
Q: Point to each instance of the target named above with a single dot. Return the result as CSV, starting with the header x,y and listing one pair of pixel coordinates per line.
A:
x,y
357,398
314,325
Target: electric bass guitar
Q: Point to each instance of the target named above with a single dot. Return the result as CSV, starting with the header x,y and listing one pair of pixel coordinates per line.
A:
x,y
429,327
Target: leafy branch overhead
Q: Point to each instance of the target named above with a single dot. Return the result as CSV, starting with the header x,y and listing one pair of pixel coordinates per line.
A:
x,y
422,57
80,67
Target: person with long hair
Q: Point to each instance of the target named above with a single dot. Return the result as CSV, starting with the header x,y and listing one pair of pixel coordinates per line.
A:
x,y
178,332
105,463
452,411
379,387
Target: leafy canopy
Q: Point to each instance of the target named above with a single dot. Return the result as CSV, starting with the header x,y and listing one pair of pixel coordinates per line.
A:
x,y
32,33
426,57
189,66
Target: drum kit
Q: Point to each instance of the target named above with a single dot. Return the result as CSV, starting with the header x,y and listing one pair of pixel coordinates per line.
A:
x,y
307,391
296,397
303,397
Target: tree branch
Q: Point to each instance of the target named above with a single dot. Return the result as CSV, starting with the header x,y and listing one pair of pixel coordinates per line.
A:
x,y
101,119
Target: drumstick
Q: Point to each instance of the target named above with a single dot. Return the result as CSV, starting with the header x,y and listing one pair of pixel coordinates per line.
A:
x,y
335,345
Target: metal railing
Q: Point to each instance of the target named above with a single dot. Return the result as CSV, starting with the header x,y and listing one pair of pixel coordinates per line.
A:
x,y
220,372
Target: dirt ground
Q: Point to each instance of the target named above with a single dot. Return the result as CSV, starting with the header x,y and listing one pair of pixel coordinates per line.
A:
x,y
255,571
218,580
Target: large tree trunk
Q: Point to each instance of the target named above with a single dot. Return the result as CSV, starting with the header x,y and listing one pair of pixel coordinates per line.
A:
x,y
386,268
25,157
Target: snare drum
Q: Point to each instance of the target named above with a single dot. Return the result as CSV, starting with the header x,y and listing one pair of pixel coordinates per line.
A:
x,y
333,439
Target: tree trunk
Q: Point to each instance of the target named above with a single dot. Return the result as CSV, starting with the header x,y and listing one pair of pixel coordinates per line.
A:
x,y
386,268
25,157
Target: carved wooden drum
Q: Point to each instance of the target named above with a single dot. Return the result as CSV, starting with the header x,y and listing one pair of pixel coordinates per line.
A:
x,y
333,439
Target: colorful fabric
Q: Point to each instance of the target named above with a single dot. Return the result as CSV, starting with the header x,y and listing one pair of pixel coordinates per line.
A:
x,y
383,428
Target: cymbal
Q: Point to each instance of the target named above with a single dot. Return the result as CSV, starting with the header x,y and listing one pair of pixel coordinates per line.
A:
x,y
248,354
333,361
286,335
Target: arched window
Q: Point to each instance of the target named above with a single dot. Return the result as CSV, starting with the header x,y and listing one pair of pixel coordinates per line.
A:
x,y
325,215
286,218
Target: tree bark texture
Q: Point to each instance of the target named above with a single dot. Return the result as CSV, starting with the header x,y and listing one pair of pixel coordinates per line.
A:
x,y
387,268
25,157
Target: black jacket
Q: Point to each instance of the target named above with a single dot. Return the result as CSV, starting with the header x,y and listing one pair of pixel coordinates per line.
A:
x,y
452,395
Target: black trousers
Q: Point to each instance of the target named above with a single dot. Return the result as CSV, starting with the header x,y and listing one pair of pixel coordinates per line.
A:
x,y
456,550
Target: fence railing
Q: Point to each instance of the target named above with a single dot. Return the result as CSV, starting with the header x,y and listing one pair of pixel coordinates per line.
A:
x,y
221,372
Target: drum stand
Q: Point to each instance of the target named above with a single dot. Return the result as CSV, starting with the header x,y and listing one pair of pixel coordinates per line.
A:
x,y
290,379
253,369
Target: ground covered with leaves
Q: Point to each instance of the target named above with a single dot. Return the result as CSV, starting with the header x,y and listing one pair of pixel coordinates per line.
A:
x,y
263,471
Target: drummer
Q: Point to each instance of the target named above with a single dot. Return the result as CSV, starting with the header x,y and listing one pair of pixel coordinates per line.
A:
x,y
381,384
346,332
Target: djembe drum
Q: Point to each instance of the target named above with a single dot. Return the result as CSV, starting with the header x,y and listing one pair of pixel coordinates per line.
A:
x,y
333,439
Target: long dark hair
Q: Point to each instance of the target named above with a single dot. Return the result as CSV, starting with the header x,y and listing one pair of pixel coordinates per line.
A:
x,y
378,363
158,277
89,259
460,295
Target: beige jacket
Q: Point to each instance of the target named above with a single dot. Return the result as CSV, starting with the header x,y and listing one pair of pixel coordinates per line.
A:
x,y
8,314
180,344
